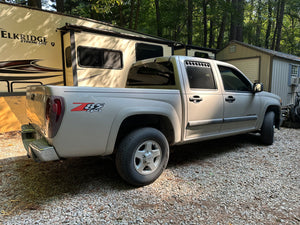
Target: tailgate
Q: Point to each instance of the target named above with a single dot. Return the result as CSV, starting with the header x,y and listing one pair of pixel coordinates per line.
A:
x,y
36,97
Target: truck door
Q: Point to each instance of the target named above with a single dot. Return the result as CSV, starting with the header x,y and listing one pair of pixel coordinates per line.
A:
x,y
69,56
241,105
204,101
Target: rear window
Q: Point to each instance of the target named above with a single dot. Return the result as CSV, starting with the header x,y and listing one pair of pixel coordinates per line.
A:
x,y
152,74
99,58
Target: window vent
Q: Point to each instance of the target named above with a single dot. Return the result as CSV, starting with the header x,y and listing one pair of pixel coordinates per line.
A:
x,y
198,64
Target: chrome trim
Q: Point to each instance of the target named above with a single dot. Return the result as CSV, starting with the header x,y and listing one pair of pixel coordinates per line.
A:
x,y
37,148
226,120
240,119
43,151
204,122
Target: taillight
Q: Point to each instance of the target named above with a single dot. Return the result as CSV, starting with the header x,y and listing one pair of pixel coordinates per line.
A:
x,y
54,114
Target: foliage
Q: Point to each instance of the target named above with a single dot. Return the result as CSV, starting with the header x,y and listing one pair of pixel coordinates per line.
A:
x,y
212,20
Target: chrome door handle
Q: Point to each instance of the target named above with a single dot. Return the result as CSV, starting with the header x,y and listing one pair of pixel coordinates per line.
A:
x,y
230,99
195,99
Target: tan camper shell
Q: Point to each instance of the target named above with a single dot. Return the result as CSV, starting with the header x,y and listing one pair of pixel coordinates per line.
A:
x,y
41,47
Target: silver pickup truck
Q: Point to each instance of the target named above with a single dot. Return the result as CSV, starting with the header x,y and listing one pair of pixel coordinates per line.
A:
x,y
167,101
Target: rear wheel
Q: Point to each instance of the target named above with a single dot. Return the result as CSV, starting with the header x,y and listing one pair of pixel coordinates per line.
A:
x,y
142,156
267,128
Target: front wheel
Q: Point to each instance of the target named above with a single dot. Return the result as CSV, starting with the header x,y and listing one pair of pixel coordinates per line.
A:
x,y
267,128
142,156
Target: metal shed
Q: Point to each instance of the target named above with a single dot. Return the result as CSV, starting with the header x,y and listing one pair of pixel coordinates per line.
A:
x,y
279,72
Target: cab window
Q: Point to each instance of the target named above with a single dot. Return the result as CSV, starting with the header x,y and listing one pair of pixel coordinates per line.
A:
x,y
200,75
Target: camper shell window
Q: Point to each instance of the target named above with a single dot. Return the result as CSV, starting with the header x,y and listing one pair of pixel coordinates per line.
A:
x,y
146,51
152,74
99,58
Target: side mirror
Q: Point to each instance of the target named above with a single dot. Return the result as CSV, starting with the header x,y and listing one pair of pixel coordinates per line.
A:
x,y
258,87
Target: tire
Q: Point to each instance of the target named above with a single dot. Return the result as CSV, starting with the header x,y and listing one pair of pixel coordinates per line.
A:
x,y
267,129
142,156
297,113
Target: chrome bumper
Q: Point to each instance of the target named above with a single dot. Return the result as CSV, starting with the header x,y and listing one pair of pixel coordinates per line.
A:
x,y
36,148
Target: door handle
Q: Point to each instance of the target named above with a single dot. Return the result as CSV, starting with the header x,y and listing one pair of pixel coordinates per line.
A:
x,y
195,99
230,99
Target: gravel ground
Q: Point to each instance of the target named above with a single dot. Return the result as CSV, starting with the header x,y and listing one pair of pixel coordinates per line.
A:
x,y
228,181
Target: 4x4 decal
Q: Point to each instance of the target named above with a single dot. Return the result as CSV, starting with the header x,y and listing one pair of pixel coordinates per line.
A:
x,y
88,107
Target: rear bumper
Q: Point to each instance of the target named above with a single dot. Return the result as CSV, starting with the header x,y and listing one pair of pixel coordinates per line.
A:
x,y
37,148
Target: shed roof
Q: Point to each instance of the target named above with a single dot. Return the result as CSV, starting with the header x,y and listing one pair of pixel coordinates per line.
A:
x,y
269,52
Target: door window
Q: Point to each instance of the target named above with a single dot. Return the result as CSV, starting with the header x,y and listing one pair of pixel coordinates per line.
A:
x,y
233,80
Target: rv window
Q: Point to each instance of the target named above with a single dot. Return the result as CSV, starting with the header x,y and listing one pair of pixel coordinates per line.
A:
x,y
20,86
146,51
99,58
68,57
152,74
201,55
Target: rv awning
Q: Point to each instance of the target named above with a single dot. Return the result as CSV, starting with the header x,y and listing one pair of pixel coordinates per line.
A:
x,y
138,36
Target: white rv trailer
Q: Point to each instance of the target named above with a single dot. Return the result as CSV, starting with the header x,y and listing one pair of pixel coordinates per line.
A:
x,y
196,51
50,48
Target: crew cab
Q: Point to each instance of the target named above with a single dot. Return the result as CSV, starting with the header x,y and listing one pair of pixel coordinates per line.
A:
x,y
167,101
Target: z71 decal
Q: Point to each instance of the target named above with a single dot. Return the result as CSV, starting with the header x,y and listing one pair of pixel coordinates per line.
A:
x,y
88,107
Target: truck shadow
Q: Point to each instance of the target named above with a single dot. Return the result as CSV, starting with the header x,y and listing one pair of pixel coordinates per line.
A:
x,y
189,153
26,184
30,184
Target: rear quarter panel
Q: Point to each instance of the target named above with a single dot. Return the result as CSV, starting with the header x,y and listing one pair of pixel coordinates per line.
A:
x,y
84,133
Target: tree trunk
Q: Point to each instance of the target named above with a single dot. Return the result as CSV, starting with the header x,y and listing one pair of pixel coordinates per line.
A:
x,y
276,27
240,18
159,30
60,5
233,21
237,20
35,3
279,22
204,23
121,15
268,32
223,25
131,13
211,34
190,22
258,24
137,13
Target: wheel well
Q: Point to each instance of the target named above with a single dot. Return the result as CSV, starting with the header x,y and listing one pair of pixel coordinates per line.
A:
x,y
161,123
277,112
